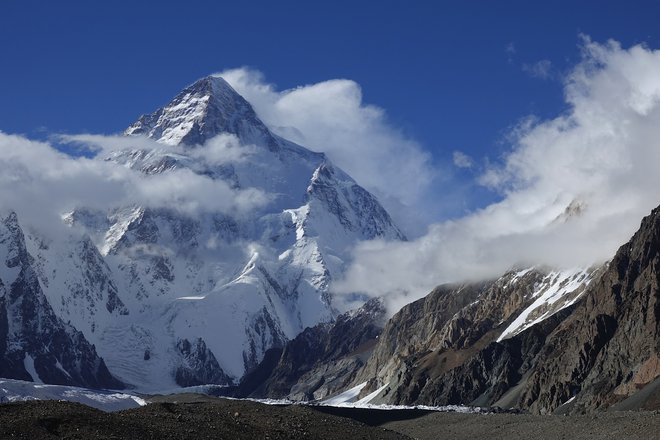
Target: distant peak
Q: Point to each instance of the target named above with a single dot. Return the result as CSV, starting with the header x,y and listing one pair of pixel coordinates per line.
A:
x,y
9,217
201,111
216,81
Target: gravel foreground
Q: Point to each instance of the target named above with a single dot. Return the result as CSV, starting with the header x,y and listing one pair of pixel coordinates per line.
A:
x,y
630,426
220,419
205,418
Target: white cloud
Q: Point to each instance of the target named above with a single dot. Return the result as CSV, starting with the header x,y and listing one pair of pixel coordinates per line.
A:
x,y
41,183
462,160
510,50
540,69
603,153
103,144
331,117
221,149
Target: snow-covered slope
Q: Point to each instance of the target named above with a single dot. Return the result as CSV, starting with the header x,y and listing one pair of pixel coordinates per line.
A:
x,y
556,291
201,111
172,296
18,390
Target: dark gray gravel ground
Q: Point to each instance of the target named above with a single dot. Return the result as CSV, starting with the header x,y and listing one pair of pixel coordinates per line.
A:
x,y
202,417
611,425
220,419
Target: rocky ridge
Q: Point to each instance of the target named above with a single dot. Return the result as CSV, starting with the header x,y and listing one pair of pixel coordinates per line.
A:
x,y
467,344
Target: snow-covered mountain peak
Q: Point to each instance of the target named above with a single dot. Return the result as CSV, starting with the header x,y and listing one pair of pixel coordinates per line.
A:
x,y
175,297
208,107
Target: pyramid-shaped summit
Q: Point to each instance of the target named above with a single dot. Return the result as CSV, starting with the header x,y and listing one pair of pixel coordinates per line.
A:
x,y
208,107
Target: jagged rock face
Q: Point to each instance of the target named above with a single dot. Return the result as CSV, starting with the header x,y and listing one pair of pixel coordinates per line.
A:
x,y
485,376
199,366
471,343
608,349
34,343
452,319
319,361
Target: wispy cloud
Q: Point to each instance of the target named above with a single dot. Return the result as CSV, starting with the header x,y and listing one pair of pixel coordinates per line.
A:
x,y
603,153
540,69
462,160
510,50
41,183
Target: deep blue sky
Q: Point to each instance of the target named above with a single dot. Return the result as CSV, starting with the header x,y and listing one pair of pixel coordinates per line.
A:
x,y
440,69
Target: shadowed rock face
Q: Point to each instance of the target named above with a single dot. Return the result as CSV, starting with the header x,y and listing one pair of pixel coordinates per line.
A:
x,y
198,365
320,361
33,340
485,378
438,335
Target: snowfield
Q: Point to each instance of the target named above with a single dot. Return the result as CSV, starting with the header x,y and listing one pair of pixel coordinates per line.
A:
x,y
17,390
348,399
106,400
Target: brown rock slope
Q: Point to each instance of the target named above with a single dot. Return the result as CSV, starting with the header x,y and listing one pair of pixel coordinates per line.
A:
x,y
441,349
600,351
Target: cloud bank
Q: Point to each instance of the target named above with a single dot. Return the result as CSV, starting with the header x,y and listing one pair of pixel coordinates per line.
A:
x,y
330,117
573,188
41,183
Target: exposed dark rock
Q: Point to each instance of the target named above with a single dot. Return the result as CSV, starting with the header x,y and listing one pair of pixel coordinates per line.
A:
x,y
484,378
319,361
32,337
441,331
198,365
